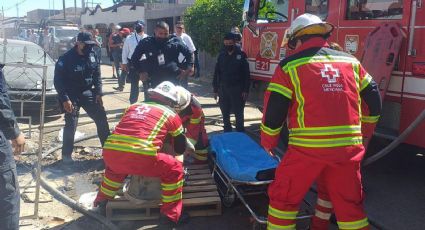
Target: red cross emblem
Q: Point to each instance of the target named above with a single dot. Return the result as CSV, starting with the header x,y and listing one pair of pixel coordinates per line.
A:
x,y
330,73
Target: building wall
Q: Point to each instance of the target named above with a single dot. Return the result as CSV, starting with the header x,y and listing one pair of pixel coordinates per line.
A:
x,y
123,14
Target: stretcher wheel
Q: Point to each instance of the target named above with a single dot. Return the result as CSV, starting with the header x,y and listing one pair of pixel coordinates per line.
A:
x,y
229,198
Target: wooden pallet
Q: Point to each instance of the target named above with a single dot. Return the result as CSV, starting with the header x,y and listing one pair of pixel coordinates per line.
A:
x,y
200,198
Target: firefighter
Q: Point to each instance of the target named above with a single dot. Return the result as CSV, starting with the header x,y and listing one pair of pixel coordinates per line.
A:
x,y
319,91
132,149
78,83
193,119
9,186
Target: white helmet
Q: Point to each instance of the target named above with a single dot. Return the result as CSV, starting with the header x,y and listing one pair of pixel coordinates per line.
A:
x,y
165,90
306,24
184,98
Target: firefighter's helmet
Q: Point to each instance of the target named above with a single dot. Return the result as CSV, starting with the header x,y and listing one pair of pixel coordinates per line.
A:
x,y
164,90
184,98
306,24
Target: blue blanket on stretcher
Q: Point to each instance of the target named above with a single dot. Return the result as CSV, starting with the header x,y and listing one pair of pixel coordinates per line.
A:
x,y
239,156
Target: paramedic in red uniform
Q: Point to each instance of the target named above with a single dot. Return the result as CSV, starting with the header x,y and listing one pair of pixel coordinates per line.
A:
x,y
193,119
321,219
319,91
133,149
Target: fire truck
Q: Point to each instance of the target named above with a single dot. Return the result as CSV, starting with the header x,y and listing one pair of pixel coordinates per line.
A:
x,y
265,22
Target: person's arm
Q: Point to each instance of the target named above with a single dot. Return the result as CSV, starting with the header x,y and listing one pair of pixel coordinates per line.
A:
x,y
58,80
217,73
139,58
371,108
190,44
246,76
97,82
277,100
195,123
111,41
125,51
8,124
188,63
175,129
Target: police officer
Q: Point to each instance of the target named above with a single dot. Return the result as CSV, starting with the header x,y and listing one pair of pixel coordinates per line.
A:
x,y
78,83
231,82
9,188
157,58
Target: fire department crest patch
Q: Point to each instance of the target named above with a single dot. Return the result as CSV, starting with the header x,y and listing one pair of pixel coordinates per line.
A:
x,y
268,45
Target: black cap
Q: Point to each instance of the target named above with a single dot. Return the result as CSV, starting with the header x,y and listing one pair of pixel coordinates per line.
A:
x,y
229,36
85,37
140,22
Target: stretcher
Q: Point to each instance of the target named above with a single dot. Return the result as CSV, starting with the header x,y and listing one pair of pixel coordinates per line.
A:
x,y
242,168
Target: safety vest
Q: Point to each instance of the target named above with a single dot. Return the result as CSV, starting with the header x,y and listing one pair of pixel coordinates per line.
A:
x,y
143,129
324,89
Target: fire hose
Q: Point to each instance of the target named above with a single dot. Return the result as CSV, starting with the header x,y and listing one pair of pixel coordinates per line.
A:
x,y
67,200
397,141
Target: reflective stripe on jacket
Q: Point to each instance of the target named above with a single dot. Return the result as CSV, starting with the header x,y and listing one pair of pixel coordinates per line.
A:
x,y
143,128
323,87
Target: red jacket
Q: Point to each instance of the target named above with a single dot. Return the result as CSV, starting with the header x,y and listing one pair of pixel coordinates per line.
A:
x,y
193,120
143,129
320,89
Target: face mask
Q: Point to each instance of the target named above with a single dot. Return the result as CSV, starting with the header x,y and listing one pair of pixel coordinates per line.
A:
x,y
229,48
161,40
87,49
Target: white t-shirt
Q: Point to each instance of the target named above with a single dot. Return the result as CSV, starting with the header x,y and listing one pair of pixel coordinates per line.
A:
x,y
129,46
187,40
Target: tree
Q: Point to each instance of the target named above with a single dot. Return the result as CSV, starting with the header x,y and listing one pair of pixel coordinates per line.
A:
x,y
207,21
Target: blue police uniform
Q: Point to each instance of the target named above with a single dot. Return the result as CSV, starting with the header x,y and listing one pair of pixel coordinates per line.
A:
x,y
77,78
9,188
161,59
231,79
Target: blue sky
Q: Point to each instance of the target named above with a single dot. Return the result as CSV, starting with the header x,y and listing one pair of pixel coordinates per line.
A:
x,y
29,5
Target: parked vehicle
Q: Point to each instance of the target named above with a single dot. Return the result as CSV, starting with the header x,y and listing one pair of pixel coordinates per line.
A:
x,y
62,37
24,76
61,34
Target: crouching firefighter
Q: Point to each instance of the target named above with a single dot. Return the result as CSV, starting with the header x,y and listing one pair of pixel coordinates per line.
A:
x,y
133,149
319,91
193,119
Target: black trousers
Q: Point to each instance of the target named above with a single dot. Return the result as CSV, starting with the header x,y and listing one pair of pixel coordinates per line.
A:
x,y
95,111
9,187
231,101
134,91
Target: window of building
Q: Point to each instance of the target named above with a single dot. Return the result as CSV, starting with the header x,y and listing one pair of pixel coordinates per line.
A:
x,y
273,11
374,9
317,7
